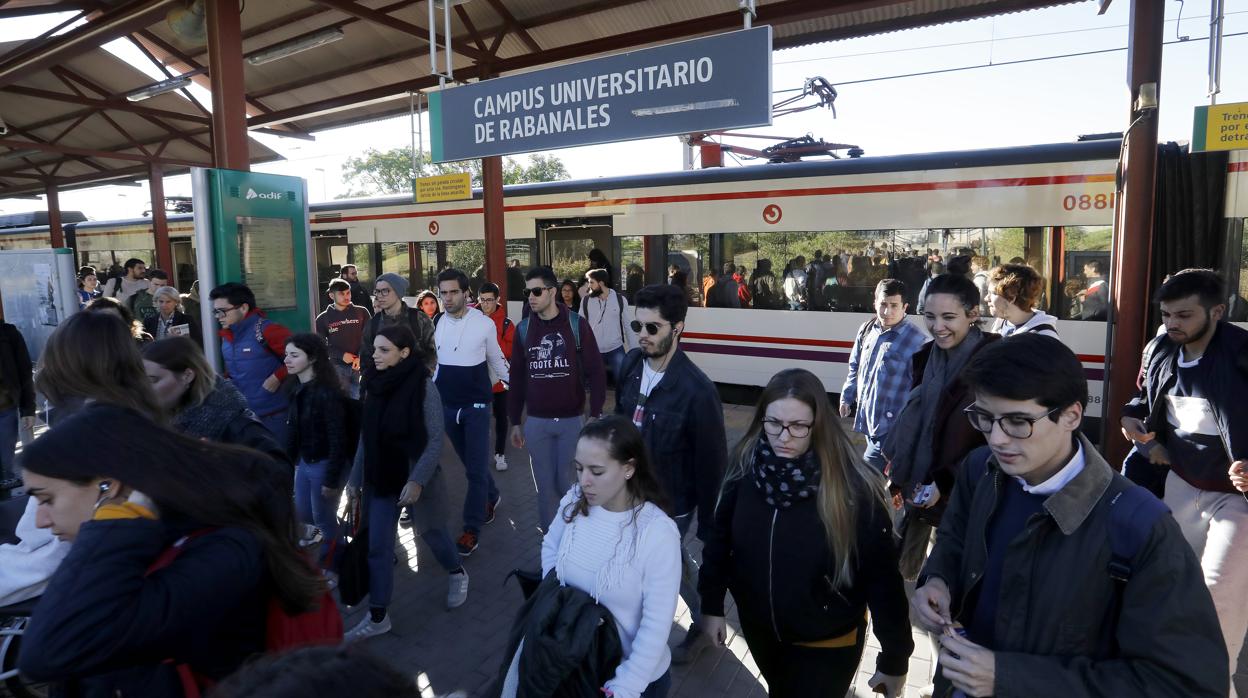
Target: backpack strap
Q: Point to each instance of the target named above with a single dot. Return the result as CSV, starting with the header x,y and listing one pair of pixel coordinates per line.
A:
x,y
1042,328
1133,513
521,330
619,300
575,321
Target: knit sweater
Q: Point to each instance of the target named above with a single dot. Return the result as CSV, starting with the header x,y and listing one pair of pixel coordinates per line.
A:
x,y
630,563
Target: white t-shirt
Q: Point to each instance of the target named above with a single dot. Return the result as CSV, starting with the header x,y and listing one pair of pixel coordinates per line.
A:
x,y
649,377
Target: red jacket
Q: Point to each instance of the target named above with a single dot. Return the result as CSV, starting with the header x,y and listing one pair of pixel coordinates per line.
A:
x,y
506,336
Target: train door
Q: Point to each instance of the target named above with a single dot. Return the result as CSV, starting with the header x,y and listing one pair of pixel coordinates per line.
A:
x,y
184,270
565,244
330,254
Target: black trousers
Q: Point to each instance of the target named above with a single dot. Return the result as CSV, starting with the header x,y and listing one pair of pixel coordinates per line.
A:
x,y
797,671
500,423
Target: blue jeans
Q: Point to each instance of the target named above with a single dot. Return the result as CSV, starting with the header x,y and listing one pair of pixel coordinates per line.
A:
x,y
312,508
689,572
659,687
428,521
9,421
873,455
276,423
613,360
350,379
469,430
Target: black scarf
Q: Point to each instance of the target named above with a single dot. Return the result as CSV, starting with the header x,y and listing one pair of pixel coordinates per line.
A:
x,y
393,425
782,481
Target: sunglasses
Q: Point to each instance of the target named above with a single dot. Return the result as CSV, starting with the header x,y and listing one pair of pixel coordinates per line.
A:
x,y
652,328
535,292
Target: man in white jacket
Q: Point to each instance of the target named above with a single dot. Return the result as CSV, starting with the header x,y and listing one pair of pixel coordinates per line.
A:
x,y
26,566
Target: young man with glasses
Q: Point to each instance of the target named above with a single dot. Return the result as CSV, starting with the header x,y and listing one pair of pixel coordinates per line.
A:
x,y
388,294
681,419
469,363
553,365
1052,574
253,348
487,303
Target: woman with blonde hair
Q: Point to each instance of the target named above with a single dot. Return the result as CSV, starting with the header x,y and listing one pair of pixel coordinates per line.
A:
x,y
803,538
170,320
92,357
200,403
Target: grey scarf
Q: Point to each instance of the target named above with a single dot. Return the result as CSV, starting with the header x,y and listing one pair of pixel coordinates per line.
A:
x,y
911,437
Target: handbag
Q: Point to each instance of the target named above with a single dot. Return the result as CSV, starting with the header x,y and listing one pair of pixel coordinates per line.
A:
x,y
353,561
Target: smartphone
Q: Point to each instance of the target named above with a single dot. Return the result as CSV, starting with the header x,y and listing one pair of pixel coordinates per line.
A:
x,y
923,493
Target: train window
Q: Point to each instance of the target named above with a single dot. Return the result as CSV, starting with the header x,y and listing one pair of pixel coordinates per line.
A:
x,y
360,254
395,260
1237,271
688,261
521,257
630,256
1085,273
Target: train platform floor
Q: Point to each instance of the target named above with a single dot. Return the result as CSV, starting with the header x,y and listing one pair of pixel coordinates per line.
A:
x,y
463,649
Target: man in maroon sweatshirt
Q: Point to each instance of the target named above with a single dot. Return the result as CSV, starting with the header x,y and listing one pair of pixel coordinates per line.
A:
x,y
550,367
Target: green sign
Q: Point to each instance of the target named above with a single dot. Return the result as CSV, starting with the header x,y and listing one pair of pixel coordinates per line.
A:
x,y
1220,127
260,237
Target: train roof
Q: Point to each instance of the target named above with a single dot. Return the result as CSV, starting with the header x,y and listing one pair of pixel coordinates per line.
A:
x,y
31,219
1107,149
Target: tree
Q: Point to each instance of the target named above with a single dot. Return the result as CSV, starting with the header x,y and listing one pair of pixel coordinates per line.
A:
x,y
390,172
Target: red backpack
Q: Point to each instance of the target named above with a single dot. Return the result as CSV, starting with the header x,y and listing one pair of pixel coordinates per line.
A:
x,y
283,632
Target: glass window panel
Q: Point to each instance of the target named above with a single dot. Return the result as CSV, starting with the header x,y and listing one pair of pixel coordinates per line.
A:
x,y
688,262
395,260
631,259
569,257
1085,286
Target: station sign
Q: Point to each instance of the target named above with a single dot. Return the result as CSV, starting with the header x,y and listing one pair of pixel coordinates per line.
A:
x,y
714,83
1221,127
455,186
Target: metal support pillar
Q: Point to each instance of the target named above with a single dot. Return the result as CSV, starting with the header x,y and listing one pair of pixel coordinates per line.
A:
x,y
160,222
54,217
495,242
230,146
1133,228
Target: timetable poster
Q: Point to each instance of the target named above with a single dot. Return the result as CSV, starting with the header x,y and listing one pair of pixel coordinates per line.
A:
x,y
266,248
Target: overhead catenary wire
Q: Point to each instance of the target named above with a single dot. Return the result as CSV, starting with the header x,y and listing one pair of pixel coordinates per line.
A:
x,y
840,83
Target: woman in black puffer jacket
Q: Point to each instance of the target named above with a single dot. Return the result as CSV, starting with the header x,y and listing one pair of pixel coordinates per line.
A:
x,y
316,436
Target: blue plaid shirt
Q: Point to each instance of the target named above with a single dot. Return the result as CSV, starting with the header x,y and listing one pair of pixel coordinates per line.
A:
x,y
880,377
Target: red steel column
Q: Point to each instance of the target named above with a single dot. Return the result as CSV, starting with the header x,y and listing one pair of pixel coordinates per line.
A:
x,y
225,68
495,242
54,216
1133,229
160,223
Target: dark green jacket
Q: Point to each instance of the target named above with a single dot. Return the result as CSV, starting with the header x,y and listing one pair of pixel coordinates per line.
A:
x,y
1056,630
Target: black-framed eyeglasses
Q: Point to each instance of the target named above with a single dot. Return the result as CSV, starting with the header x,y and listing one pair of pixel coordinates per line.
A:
x,y
537,291
1016,426
775,427
382,291
652,328
220,312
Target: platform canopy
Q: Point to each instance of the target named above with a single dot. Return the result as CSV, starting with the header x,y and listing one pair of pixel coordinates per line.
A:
x,y
63,98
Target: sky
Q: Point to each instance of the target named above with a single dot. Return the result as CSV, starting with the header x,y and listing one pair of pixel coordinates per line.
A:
x,y
881,105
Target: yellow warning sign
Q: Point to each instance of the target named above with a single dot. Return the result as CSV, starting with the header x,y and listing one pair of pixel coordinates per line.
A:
x,y
448,187
1221,127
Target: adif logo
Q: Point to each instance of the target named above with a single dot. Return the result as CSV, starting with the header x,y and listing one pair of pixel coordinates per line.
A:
x,y
275,196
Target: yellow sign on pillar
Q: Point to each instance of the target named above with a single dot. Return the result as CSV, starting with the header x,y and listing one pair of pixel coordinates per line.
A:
x,y
447,187
1221,127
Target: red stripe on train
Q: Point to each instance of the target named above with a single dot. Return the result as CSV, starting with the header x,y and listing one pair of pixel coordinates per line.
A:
x,y
764,194
830,343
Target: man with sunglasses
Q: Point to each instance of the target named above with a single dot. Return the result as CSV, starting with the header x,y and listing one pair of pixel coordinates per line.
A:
x,y
681,419
550,369
1028,584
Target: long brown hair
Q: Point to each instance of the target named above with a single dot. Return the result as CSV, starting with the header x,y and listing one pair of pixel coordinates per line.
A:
x,y
93,357
845,480
210,484
624,445
178,354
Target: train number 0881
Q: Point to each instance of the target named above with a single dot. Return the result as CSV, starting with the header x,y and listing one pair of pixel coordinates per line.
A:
x,y
1088,202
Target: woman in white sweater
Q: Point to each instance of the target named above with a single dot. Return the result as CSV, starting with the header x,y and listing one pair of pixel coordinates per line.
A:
x,y
613,541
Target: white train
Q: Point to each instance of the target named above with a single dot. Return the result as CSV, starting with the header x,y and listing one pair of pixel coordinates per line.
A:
x,y
1052,206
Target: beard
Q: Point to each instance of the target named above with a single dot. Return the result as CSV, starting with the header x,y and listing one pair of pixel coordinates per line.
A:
x,y
1200,334
661,347
595,293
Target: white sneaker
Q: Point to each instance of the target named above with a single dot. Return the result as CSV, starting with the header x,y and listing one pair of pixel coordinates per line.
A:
x,y
366,628
457,591
500,462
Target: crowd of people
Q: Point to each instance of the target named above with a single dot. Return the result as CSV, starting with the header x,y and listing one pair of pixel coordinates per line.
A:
x,y
206,557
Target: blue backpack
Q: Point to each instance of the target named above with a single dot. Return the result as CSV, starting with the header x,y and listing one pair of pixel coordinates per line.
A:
x,y
1133,513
